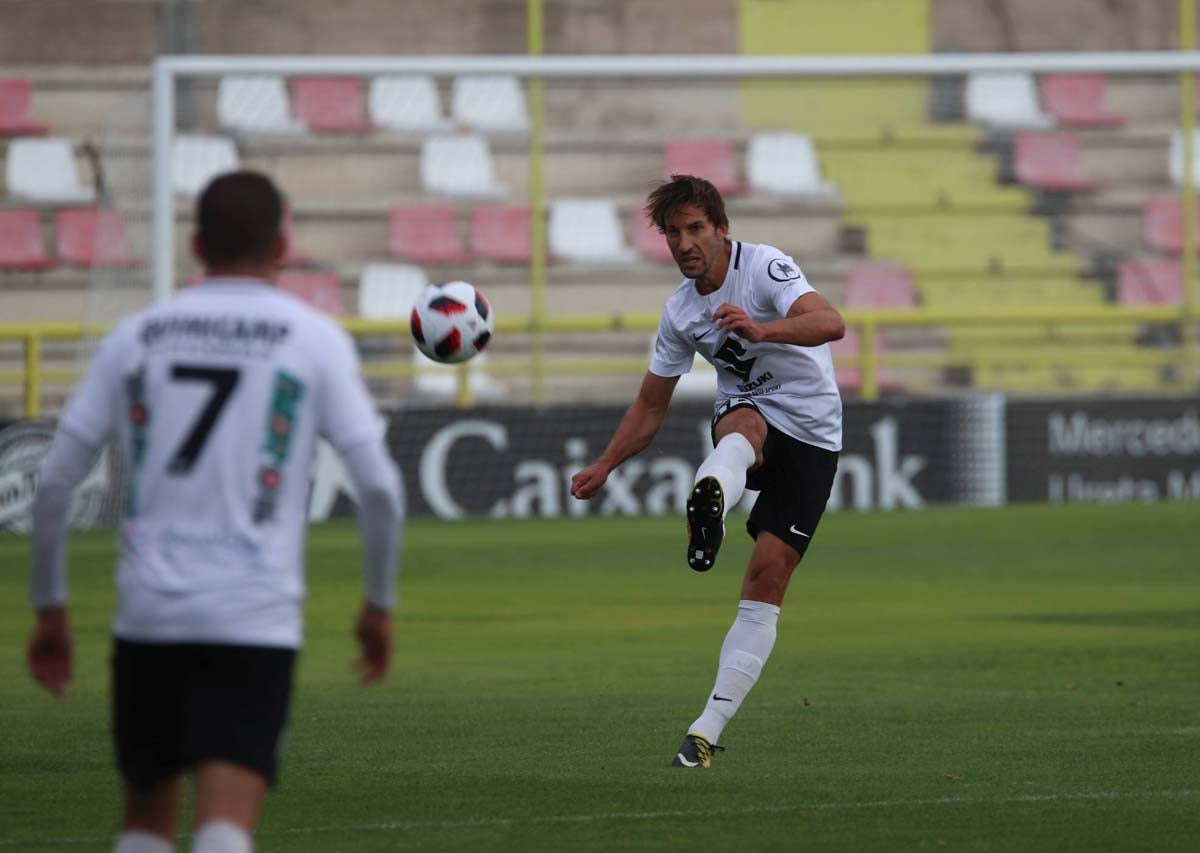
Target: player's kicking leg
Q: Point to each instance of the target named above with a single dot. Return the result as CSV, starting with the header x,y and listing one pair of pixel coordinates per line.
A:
x,y
738,435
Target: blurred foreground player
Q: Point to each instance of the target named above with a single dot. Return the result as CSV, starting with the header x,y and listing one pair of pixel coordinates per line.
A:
x,y
776,428
216,398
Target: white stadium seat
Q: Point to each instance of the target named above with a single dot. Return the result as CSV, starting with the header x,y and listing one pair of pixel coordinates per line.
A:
x,y
388,291
587,230
491,103
44,169
458,166
255,103
408,102
1006,100
197,158
784,163
1175,161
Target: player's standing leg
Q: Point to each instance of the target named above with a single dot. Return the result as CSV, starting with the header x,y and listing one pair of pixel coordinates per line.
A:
x,y
739,434
149,817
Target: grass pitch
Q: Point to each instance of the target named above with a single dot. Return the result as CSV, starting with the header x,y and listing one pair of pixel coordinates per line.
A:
x,y
1018,679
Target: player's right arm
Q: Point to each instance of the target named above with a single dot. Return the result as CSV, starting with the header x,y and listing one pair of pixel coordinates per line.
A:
x,y
636,430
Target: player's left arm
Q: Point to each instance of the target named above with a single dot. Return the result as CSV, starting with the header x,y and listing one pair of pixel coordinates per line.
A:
x,y
811,321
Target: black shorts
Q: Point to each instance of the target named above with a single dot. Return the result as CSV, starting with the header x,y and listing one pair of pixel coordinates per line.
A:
x,y
178,704
793,482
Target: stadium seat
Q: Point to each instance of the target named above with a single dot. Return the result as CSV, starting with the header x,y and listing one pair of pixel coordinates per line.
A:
x,y
322,289
92,237
426,234
501,233
880,284
784,164
648,241
388,291
43,169
458,166
255,103
1078,100
1050,161
587,230
22,246
1006,100
493,103
197,158
16,109
407,102
1162,223
713,159
849,379
1175,157
330,104
1150,281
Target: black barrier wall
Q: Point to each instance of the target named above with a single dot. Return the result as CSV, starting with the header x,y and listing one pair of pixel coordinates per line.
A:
x,y
517,462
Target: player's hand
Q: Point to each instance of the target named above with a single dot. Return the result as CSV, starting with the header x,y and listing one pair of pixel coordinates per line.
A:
x,y
50,649
734,320
589,481
374,634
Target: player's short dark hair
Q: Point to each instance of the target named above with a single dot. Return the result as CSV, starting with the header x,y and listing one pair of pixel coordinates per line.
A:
x,y
680,191
238,218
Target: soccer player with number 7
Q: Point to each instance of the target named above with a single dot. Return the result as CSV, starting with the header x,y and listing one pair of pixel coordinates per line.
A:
x,y
216,399
776,427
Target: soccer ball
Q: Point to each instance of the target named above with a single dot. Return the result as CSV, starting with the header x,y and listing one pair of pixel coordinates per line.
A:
x,y
451,322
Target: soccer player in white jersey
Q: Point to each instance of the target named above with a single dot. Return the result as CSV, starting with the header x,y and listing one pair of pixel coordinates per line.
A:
x,y
777,421
216,398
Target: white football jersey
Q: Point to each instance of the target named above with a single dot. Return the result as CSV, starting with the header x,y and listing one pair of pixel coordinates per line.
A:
x,y
793,386
217,398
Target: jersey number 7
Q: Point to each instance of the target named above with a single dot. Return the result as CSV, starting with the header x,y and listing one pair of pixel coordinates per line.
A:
x,y
223,380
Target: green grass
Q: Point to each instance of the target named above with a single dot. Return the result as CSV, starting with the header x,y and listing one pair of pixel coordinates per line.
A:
x,y
1019,679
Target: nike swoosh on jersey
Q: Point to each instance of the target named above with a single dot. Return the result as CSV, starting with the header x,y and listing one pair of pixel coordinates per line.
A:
x,y
704,335
799,532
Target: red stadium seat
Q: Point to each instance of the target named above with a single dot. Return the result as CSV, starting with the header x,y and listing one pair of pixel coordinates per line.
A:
x,y
1162,223
322,289
1078,100
426,234
330,104
849,379
713,159
501,233
16,108
22,246
1150,281
89,237
880,284
648,241
1051,161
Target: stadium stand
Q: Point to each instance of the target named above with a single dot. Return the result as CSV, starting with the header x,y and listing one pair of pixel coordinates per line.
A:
x,y
1162,223
321,289
849,379
1150,281
405,103
16,109
330,104
255,103
1078,100
43,169
22,244
500,233
92,237
458,166
426,234
489,104
1175,157
587,230
198,158
1050,161
1006,101
879,284
388,291
648,241
784,163
713,158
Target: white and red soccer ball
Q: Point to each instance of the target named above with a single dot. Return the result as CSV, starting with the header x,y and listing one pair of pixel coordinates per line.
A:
x,y
451,322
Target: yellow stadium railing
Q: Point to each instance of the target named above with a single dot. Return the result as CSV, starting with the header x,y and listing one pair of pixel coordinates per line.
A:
x,y
33,373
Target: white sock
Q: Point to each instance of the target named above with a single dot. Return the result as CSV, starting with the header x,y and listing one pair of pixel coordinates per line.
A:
x,y
743,654
221,836
140,841
728,463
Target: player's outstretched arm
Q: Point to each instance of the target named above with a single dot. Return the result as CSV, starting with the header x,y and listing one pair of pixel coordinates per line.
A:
x,y
636,430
